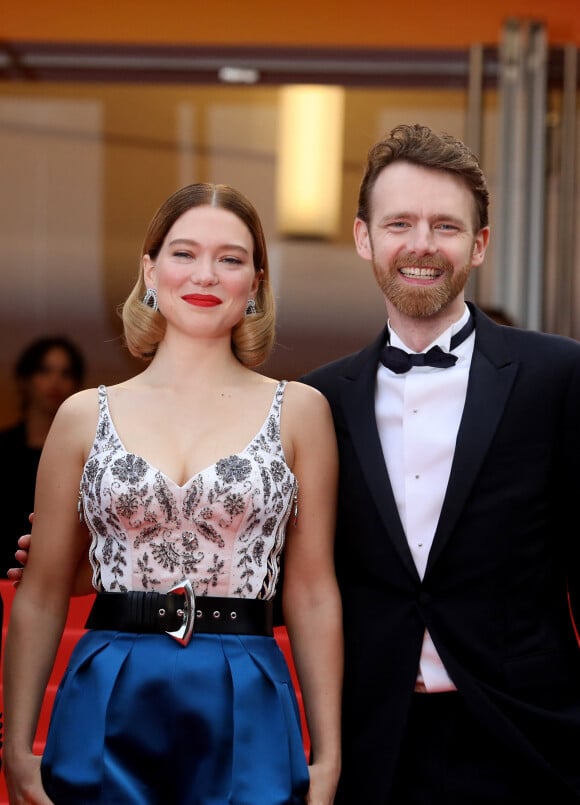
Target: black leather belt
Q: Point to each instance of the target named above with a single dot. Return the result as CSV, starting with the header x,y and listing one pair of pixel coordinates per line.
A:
x,y
179,613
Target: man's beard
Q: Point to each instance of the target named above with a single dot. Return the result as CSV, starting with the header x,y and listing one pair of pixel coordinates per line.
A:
x,y
418,301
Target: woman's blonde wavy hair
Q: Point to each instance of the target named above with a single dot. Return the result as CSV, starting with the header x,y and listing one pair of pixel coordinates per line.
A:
x,y
253,337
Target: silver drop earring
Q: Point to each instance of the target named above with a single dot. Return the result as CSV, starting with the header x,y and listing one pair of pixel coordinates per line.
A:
x,y
150,299
251,307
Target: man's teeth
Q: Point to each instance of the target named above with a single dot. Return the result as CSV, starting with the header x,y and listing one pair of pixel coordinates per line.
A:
x,y
420,272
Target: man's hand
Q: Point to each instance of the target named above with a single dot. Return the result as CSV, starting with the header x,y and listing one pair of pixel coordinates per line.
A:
x,y
21,555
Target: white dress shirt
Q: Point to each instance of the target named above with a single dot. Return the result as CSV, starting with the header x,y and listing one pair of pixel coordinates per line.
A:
x,y
418,415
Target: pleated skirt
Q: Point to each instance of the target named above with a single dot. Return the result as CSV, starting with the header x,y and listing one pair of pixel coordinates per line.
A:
x,y
141,720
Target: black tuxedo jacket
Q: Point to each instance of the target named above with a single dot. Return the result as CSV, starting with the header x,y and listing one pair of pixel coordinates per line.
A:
x,y
502,573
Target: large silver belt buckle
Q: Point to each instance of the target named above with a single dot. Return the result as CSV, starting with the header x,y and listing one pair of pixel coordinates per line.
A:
x,y
187,614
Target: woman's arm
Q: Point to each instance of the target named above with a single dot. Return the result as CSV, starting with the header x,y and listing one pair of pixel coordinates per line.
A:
x,y
83,581
311,600
40,605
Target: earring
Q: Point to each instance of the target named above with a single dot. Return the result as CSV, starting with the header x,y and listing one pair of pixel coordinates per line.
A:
x,y
251,307
150,299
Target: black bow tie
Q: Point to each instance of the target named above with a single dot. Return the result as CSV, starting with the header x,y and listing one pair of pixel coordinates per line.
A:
x,y
399,361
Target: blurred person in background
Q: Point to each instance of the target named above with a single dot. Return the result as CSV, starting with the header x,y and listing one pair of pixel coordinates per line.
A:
x,y
499,315
46,372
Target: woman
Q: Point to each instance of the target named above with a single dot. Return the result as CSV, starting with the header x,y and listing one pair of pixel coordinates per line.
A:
x,y
46,372
194,476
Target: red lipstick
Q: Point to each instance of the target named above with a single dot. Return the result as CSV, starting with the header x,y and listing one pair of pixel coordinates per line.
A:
x,y
202,299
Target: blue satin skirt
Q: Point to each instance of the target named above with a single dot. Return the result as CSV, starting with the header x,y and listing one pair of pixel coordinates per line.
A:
x,y
141,720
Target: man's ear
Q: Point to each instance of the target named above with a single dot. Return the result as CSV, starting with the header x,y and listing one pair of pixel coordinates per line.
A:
x,y
480,246
362,239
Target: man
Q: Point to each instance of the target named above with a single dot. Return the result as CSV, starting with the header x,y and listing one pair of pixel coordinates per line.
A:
x,y
456,547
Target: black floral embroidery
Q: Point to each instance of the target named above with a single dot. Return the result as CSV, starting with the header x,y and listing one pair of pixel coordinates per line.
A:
x,y
193,496
166,555
99,526
212,576
128,504
102,430
148,534
165,498
272,430
233,469
278,470
108,550
147,582
267,483
258,551
130,469
190,564
91,470
189,540
210,533
234,504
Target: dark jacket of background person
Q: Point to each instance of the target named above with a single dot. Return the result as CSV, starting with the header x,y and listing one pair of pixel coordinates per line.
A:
x,y
46,373
505,543
499,315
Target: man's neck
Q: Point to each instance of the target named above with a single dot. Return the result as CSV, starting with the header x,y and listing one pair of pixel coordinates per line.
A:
x,y
418,332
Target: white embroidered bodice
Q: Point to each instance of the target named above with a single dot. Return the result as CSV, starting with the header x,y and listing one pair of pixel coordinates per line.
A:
x,y
224,529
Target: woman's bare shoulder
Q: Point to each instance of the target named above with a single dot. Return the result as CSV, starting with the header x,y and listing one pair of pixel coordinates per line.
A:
x,y
301,394
80,403
73,428
77,415
306,410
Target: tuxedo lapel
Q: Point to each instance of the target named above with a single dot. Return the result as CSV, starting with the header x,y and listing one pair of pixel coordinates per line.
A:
x,y
490,382
358,405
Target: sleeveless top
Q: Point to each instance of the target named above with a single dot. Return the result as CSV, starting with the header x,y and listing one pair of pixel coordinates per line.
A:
x,y
224,529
